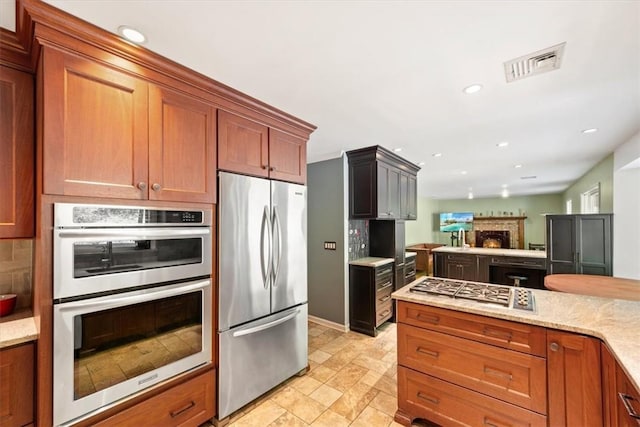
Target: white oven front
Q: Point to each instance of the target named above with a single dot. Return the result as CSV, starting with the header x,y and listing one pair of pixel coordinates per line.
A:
x,y
110,347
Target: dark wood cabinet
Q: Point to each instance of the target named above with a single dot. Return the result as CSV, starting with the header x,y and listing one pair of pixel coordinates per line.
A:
x,y
382,185
456,266
370,303
574,379
409,269
16,154
251,148
387,240
110,134
17,385
579,244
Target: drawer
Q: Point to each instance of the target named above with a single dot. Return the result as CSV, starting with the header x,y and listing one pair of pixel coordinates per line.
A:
x,y
422,396
383,313
628,401
538,263
502,333
188,404
508,375
384,285
382,272
383,297
462,259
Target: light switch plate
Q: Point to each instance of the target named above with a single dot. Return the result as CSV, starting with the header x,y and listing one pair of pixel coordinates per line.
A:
x,y
330,246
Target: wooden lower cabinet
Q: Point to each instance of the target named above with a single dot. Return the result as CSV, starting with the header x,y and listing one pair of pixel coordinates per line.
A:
x,y
17,386
422,396
627,400
370,303
188,404
574,376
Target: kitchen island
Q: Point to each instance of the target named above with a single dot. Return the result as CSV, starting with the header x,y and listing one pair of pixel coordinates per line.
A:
x,y
459,358
491,265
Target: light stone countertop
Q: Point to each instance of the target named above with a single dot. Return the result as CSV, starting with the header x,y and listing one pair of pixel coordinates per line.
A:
x,y
19,331
410,254
492,251
616,322
371,261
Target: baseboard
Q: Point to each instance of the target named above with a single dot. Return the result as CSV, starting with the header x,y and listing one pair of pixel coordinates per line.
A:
x,y
328,323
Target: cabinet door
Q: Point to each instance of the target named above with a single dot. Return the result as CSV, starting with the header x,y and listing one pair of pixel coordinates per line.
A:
x,y
412,197
287,157
95,129
182,147
16,385
561,244
404,196
16,154
388,191
574,381
609,389
362,299
594,244
462,267
363,202
243,145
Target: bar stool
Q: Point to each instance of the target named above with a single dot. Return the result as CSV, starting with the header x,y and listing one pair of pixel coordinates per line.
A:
x,y
518,279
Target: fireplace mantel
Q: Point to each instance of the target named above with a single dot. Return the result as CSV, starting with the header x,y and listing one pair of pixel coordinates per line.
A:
x,y
514,224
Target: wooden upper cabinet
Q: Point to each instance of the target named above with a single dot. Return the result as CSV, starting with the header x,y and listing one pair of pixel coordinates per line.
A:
x,y
251,148
182,147
107,133
287,157
16,154
95,129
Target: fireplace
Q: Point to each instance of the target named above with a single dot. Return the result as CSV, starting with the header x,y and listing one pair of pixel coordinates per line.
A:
x,y
493,239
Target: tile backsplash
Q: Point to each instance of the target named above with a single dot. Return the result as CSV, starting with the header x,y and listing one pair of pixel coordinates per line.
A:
x,y
16,270
358,239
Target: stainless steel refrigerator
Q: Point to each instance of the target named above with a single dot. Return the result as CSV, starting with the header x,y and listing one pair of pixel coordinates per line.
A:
x,y
262,286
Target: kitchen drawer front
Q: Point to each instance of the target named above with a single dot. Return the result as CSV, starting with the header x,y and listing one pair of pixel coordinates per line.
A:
x,y
383,297
538,263
628,400
385,285
384,274
188,404
383,313
502,333
423,396
508,375
462,259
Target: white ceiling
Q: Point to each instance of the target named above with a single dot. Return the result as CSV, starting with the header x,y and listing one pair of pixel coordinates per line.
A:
x,y
392,72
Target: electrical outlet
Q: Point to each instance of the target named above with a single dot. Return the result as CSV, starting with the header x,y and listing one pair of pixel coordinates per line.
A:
x,y
330,246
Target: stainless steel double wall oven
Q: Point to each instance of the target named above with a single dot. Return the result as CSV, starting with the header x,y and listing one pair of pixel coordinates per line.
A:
x,y
132,302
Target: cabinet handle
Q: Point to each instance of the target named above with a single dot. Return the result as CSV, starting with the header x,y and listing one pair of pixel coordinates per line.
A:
x,y
385,286
428,352
627,405
384,313
383,272
554,346
385,299
156,187
498,373
142,185
272,168
263,166
429,319
183,409
507,336
487,422
389,213
428,398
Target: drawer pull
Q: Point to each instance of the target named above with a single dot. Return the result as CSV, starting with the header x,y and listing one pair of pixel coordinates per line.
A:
x,y
428,398
505,335
383,272
385,299
183,409
384,313
428,352
429,319
489,423
498,373
627,405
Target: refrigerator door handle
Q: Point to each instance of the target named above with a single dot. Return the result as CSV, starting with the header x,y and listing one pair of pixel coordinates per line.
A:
x,y
269,325
266,226
276,265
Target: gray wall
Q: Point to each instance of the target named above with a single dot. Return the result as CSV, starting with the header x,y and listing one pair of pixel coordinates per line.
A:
x,y
326,222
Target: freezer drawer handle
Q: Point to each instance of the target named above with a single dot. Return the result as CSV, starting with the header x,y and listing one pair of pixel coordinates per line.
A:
x,y
266,325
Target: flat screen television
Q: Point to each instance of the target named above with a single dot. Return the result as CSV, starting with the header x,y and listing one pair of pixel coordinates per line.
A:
x,y
454,221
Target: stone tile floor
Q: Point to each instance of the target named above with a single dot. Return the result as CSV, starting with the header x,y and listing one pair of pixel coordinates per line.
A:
x,y
352,382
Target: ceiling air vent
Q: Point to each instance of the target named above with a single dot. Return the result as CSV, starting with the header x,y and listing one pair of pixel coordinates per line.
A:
x,y
535,63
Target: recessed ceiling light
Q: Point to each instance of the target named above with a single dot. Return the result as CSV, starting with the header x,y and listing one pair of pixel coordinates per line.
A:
x,y
470,195
437,154
502,144
472,89
592,130
505,193
397,150
463,172
518,166
132,34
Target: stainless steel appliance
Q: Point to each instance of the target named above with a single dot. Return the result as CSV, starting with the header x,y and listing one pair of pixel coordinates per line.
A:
x,y
262,325
506,296
132,302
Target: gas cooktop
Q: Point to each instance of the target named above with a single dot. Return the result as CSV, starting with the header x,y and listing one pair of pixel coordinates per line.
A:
x,y
506,296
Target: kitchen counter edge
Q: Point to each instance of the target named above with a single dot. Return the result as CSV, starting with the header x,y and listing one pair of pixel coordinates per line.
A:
x,y
613,321
492,251
371,261
18,331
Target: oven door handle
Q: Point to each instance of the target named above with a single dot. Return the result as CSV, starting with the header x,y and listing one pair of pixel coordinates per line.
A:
x,y
134,233
134,297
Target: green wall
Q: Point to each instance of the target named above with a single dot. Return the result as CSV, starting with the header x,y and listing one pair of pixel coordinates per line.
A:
x,y
601,173
425,229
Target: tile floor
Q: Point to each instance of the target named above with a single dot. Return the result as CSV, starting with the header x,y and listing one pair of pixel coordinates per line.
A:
x,y
352,382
